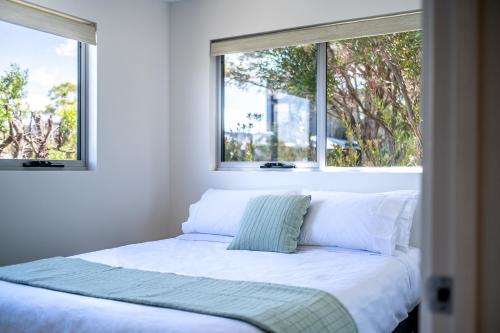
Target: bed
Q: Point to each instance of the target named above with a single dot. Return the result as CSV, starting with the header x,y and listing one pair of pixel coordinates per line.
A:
x,y
247,261
379,291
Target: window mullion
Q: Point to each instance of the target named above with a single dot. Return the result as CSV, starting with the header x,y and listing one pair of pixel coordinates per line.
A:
x,y
83,103
220,111
321,82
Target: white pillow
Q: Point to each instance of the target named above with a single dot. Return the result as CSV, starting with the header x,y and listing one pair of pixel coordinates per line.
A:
x,y
219,211
409,200
374,222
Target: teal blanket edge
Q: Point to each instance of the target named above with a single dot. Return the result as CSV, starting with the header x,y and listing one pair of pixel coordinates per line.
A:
x,y
270,307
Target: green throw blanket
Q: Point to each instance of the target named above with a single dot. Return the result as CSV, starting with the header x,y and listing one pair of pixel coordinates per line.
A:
x,y
270,307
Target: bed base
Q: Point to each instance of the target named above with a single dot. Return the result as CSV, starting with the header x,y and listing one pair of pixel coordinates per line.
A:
x,y
410,324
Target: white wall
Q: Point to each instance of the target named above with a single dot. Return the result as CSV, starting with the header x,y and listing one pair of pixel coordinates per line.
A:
x,y
125,199
193,23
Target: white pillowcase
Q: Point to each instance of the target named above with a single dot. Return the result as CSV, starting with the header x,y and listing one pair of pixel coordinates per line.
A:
x,y
374,222
219,211
409,200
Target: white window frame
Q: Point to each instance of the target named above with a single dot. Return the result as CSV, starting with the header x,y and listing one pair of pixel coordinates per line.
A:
x,y
81,162
321,107
33,16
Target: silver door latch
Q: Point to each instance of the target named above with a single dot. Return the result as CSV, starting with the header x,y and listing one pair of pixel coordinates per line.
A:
x,y
440,293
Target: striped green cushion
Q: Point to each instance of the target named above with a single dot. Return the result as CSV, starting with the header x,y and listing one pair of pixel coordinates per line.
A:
x,y
271,223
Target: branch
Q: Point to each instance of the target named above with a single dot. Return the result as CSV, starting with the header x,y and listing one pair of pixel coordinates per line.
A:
x,y
404,91
369,114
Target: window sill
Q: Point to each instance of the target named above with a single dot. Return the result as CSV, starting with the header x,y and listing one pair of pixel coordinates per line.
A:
x,y
18,167
393,170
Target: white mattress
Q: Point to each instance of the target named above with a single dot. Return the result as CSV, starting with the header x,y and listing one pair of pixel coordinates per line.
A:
x,y
377,290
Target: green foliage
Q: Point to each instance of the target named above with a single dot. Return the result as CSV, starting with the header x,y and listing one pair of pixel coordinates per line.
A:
x,y
375,83
239,145
373,97
25,133
237,150
288,153
288,69
12,85
338,156
346,157
64,105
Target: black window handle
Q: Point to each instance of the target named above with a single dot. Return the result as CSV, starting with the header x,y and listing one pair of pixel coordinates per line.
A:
x,y
277,165
42,164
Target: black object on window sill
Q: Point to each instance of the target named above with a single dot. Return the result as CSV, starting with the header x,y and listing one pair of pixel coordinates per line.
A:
x,y
42,164
277,165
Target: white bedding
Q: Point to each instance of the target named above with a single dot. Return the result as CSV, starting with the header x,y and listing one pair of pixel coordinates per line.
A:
x,y
377,290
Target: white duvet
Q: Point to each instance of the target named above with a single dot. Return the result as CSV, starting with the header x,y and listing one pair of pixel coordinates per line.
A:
x,y
377,290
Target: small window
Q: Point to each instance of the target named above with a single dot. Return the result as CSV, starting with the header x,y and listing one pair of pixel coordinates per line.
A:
x,y
348,99
269,100
43,87
40,112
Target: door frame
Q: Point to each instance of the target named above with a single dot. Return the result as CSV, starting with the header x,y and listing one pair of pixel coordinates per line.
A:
x,y
450,179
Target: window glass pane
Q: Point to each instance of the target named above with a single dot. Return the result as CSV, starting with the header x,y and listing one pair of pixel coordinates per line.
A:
x,y
373,96
269,105
38,95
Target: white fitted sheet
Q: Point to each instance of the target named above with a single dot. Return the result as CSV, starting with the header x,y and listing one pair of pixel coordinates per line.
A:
x,y
377,290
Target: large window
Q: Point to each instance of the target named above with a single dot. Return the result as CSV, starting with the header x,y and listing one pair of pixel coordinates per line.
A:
x,y
350,102
43,91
